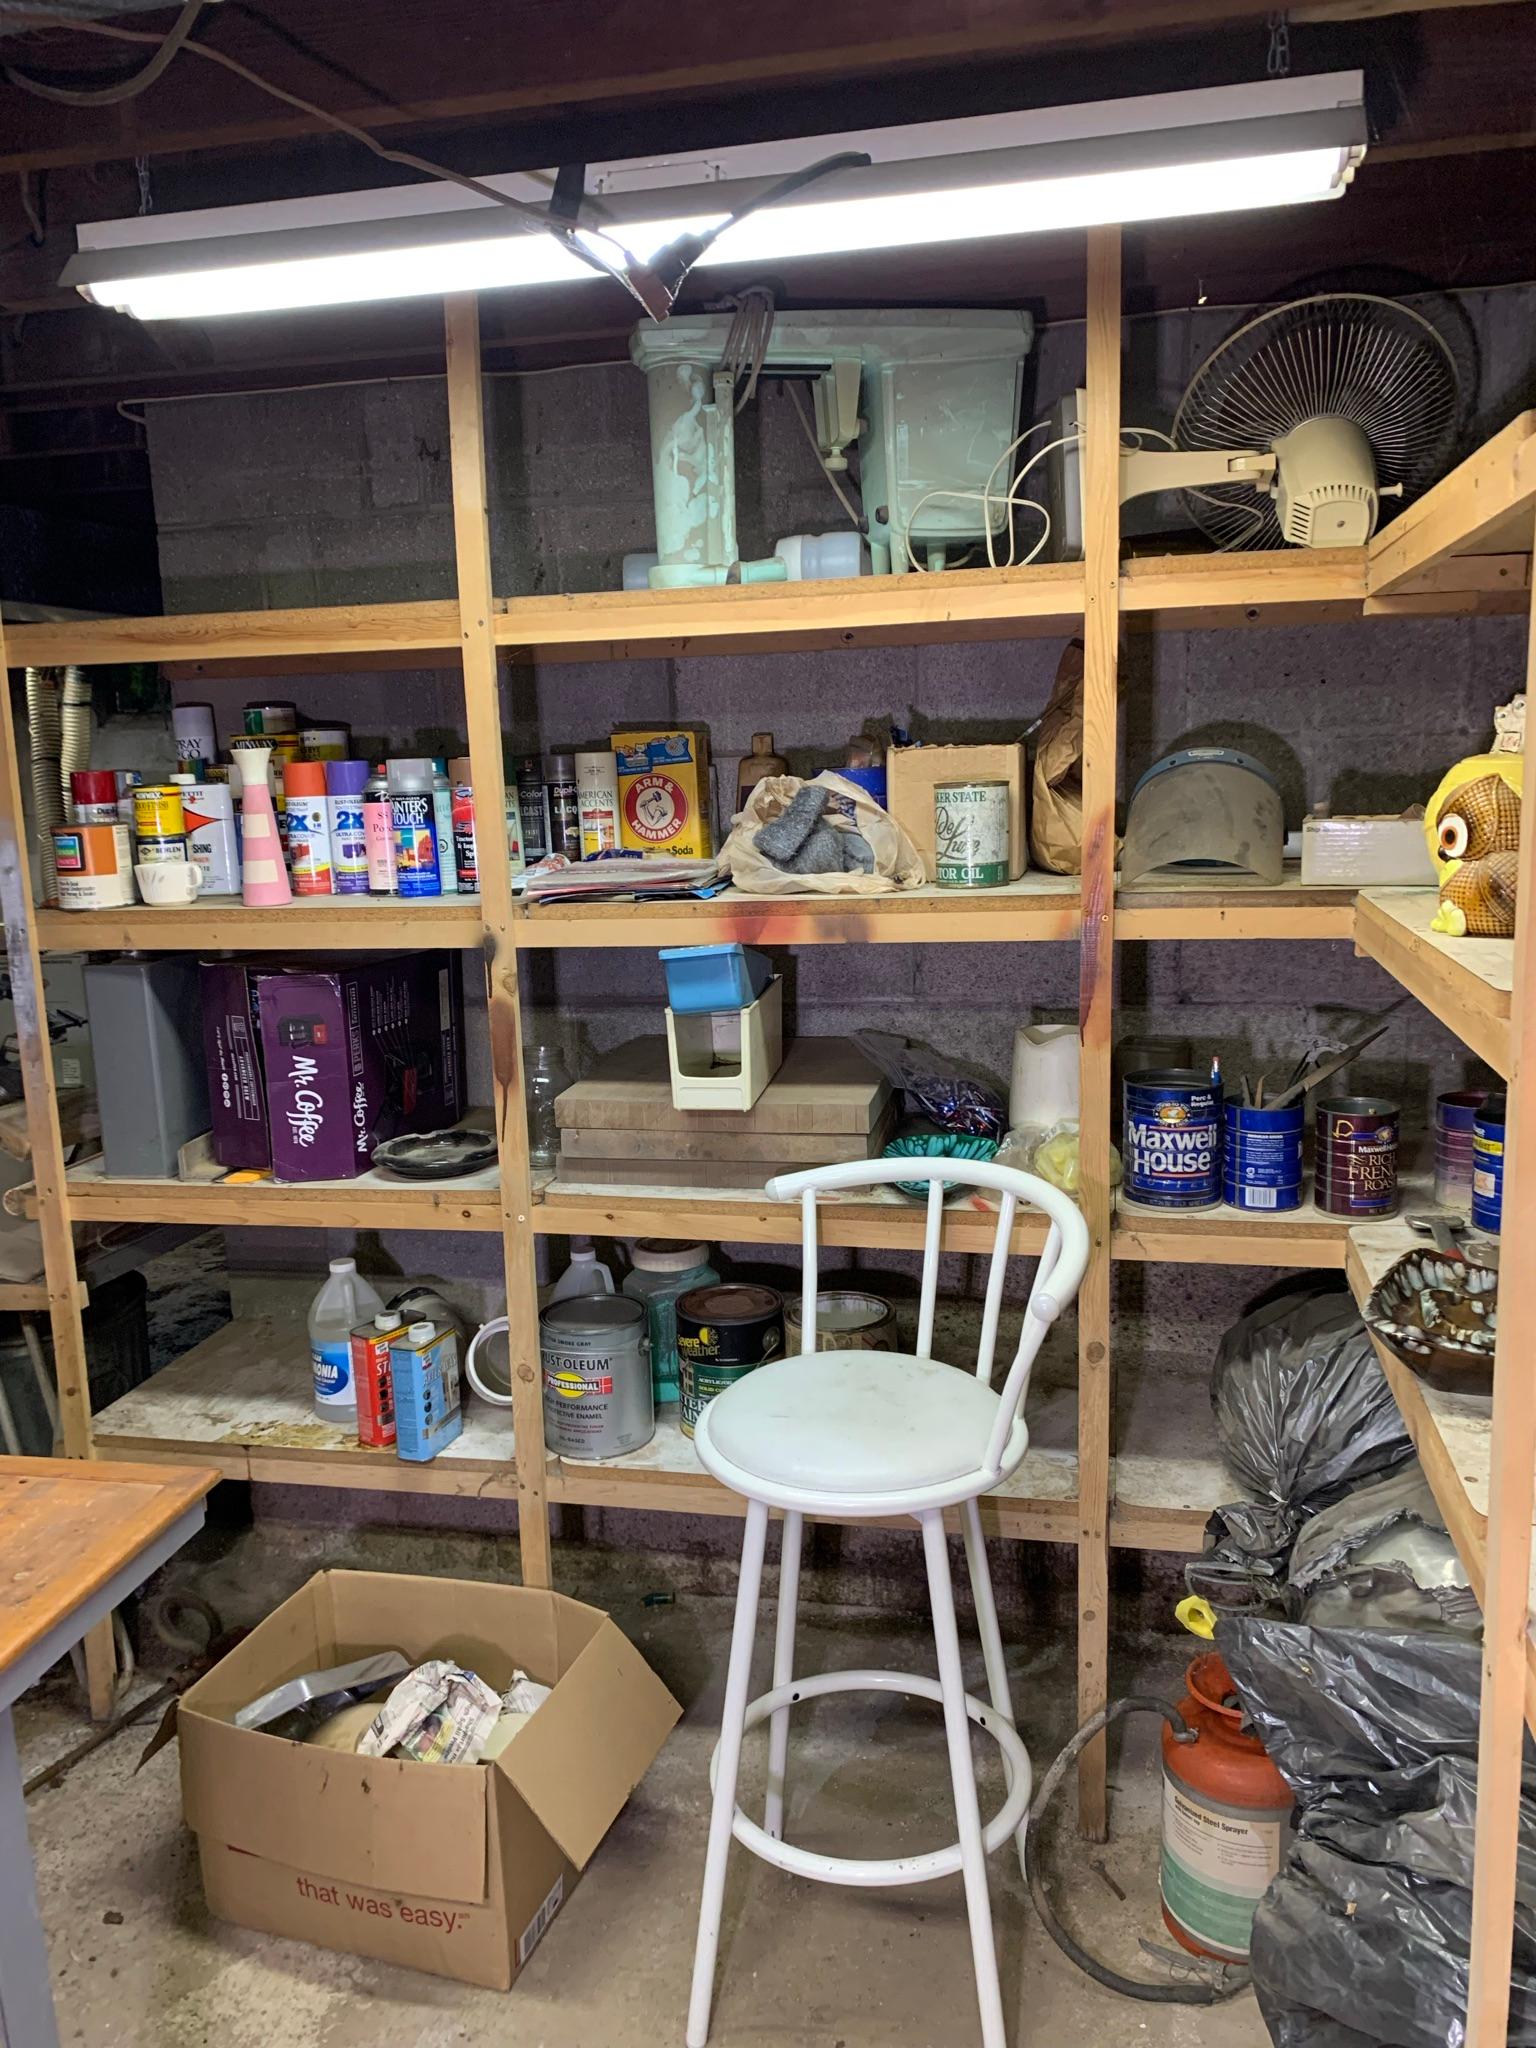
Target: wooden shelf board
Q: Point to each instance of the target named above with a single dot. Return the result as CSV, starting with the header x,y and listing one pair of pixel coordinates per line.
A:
x,y
309,924
1173,907
1486,506
340,633
1466,983
373,1201
1225,1236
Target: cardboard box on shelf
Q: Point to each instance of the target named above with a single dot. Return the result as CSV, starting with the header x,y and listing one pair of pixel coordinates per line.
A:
x,y
664,790
913,773
455,1869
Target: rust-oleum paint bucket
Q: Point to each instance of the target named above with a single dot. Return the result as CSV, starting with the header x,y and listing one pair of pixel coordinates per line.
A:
x,y
1354,1165
724,1331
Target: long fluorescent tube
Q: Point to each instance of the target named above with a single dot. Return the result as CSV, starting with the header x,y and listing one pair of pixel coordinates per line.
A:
x,y
1226,149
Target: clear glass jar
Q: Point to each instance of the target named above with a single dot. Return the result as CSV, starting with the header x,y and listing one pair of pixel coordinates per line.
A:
x,y
662,1271
547,1077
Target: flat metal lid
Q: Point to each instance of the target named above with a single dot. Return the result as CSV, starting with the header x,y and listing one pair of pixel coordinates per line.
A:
x,y
730,1301
595,1315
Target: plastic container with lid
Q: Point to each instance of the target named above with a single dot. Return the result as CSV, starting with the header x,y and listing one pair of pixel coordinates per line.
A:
x,y
664,1269
584,1277
345,1300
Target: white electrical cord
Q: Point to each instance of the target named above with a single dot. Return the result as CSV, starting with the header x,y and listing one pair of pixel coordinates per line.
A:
x,y
987,499
810,434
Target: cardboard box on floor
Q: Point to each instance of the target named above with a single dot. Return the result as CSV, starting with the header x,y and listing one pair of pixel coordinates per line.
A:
x,y
450,1868
912,774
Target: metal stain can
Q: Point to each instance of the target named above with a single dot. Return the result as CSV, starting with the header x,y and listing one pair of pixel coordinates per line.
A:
x,y
151,852
1261,1156
94,865
373,1378
1488,1166
1455,1115
724,1331
597,1377
970,834
847,1319
158,812
1172,1129
1354,1163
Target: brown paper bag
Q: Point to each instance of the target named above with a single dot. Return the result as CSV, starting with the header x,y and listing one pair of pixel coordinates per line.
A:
x,y
897,862
1056,792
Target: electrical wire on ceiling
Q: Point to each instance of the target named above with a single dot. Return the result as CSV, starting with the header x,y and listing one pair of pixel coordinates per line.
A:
x,y
124,88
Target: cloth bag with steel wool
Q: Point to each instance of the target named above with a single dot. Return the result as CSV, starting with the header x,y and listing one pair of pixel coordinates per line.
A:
x,y
788,840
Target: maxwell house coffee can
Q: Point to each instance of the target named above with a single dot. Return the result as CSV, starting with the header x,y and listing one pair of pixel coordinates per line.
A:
x,y
1172,1139
1354,1163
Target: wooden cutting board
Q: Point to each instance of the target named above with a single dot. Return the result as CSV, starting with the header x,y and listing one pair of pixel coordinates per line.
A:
x,y
671,1173
825,1087
812,1148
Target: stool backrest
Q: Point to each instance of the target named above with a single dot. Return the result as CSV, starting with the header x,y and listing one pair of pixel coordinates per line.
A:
x,y
1058,1273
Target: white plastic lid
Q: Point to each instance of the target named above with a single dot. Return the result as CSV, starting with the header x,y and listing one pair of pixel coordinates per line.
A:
x,y
419,1333
386,1322
343,1265
665,1255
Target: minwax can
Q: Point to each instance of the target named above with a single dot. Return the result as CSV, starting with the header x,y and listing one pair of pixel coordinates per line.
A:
x,y
158,812
1172,1139
724,1331
970,834
597,1377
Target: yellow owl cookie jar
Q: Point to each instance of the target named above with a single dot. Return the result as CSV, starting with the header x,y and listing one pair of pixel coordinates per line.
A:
x,y
1472,823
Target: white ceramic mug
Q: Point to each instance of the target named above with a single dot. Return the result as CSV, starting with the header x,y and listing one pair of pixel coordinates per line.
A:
x,y
496,1326
169,881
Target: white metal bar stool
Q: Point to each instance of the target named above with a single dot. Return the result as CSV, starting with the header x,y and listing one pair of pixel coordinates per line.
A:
x,y
867,1434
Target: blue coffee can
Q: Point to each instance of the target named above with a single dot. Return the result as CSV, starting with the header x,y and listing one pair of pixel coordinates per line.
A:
x,y
1172,1136
1488,1166
1261,1159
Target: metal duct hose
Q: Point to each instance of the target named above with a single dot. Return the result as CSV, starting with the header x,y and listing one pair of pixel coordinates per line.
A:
x,y
45,744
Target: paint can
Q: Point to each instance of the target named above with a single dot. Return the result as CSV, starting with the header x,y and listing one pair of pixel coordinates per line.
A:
x,y
724,1332
1454,1117
373,1378
93,796
847,1319
158,812
152,852
271,718
424,1382
1172,1128
970,834
533,806
196,737
597,802
1354,1162
597,1377
94,864
564,799
212,840
1488,1166
326,742
1261,1156
309,828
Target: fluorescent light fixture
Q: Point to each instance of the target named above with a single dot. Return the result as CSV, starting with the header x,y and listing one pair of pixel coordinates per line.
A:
x,y
1227,149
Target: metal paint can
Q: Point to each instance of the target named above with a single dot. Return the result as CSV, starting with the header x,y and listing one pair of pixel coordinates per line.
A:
x,y
1488,1166
1172,1129
153,851
94,864
847,1319
597,1378
970,834
724,1332
1455,1114
158,812
1354,1163
1261,1156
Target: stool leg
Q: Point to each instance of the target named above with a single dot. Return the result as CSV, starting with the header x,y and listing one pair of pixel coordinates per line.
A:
x,y
722,1813
991,1635
957,1728
783,1672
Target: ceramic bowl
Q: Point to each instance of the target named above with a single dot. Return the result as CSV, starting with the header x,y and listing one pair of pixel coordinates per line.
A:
x,y
1438,1313
436,1155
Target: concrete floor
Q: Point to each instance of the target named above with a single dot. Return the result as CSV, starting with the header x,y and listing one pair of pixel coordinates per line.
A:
x,y
137,1960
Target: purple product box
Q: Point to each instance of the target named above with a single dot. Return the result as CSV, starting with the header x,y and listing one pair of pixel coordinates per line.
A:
x,y
237,1092
349,1056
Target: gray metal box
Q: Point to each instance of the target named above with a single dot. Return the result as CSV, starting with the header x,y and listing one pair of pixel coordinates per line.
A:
x,y
151,1082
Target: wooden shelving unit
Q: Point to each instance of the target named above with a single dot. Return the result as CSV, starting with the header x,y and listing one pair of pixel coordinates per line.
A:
x,y
1465,549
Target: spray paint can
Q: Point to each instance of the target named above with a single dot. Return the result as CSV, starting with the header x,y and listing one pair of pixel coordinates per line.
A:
x,y
564,800
1172,1138
309,830
414,818
597,802
93,796
442,818
597,1379
532,806
345,782
466,847
379,834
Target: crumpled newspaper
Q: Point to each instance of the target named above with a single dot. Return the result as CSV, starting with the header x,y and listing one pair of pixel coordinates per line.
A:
x,y
441,1714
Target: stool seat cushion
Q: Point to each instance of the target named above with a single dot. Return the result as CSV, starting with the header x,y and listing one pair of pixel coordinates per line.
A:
x,y
854,1422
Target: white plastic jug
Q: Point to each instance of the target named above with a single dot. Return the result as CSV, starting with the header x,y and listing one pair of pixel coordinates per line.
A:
x,y
585,1275
345,1300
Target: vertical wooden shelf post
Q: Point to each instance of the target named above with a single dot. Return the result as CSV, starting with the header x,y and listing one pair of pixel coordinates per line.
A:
x,y
1506,1595
1101,632
482,704
71,1372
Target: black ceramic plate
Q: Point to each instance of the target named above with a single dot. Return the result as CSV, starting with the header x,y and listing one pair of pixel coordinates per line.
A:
x,y
436,1155
1438,1313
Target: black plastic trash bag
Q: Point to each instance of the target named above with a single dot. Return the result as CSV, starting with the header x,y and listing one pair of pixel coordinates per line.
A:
x,y
1303,1409
1363,1940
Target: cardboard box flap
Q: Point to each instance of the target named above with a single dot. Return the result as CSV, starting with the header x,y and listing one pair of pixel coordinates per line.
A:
x,y
391,1825
590,1744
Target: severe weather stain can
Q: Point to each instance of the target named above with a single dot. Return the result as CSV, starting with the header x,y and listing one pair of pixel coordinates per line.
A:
x,y
1354,1162
1172,1139
724,1331
970,834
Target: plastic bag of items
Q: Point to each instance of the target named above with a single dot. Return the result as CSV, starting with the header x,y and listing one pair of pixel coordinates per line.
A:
x,y
935,1087
1362,1941
1303,1409
826,837
1382,1558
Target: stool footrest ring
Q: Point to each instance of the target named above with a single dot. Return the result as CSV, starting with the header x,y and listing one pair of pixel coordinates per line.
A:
x,y
885,1870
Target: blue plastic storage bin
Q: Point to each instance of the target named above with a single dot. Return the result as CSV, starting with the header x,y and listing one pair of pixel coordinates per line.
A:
x,y
703,978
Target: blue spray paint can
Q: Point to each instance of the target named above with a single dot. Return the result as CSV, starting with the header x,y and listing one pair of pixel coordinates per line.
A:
x,y
1261,1158
1172,1139
1488,1166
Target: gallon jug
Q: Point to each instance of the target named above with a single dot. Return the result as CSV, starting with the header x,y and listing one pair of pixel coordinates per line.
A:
x,y
343,1302
584,1276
